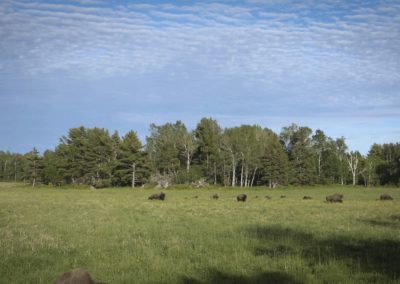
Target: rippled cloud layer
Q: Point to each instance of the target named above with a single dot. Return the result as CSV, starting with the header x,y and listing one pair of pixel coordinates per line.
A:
x,y
251,61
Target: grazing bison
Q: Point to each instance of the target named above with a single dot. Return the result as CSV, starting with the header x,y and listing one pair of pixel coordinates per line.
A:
x,y
337,197
307,197
283,196
385,197
157,196
268,197
75,276
215,196
241,197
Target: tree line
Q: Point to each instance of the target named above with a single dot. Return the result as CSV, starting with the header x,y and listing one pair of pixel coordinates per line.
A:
x,y
243,156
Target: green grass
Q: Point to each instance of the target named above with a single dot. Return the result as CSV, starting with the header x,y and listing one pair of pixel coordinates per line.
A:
x,y
121,237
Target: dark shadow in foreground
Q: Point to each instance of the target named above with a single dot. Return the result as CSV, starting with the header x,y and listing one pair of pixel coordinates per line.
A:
x,y
217,277
380,256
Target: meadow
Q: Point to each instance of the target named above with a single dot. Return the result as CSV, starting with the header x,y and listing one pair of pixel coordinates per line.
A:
x,y
122,237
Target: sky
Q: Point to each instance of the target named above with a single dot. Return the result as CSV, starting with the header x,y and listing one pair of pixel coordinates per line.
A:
x,y
122,65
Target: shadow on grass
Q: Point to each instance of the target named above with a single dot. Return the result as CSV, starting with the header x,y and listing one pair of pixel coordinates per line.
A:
x,y
217,277
393,222
380,256
382,223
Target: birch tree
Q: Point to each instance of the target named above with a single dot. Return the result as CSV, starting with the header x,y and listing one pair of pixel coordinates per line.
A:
x,y
188,147
319,142
341,149
353,159
230,144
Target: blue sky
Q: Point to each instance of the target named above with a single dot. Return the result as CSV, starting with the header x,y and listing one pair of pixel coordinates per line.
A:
x,y
332,65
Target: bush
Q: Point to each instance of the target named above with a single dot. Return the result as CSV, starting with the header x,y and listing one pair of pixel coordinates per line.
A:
x,y
193,175
102,183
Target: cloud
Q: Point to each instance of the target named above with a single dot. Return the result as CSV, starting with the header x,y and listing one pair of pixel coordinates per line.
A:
x,y
229,40
332,58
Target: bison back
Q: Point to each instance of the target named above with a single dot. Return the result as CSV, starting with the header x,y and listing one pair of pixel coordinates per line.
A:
x,y
241,197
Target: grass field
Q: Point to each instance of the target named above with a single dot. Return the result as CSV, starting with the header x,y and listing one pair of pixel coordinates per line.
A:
x,y
121,237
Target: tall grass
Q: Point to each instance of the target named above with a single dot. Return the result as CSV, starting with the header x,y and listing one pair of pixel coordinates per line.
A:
x,y
122,237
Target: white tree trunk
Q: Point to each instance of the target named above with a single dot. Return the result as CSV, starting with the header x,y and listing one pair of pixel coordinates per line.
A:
x,y
34,174
319,165
246,177
241,175
233,171
133,174
187,161
252,179
353,164
215,173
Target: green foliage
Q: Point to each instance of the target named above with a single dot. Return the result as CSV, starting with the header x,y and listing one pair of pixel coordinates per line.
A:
x,y
301,156
51,173
131,163
385,159
186,177
12,166
102,183
208,137
33,167
164,146
245,156
274,164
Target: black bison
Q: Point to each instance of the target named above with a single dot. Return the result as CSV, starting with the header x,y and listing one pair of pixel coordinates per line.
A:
x,y
283,196
385,197
75,276
268,197
307,197
215,196
241,197
156,196
337,197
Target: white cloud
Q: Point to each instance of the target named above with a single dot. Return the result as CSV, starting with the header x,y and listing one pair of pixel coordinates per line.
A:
x,y
340,53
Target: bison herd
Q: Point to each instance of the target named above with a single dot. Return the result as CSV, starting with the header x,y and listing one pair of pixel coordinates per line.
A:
x,y
82,276
335,198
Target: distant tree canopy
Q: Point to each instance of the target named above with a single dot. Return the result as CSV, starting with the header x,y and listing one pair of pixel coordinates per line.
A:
x,y
245,156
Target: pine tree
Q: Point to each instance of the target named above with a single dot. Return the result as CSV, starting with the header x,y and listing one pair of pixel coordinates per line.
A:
x,y
131,161
34,167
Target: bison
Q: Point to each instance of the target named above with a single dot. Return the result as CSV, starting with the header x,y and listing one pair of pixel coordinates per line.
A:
x,y
156,196
307,197
337,197
268,197
283,196
241,197
75,276
215,196
385,197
